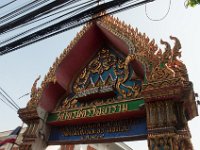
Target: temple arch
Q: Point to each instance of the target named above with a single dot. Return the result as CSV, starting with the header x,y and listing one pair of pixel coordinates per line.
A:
x,y
113,77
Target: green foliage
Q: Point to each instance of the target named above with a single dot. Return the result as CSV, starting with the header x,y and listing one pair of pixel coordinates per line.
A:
x,y
192,3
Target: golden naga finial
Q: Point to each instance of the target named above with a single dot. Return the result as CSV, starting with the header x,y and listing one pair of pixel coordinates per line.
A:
x,y
167,45
167,53
34,95
176,48
171,65
177,42
34,88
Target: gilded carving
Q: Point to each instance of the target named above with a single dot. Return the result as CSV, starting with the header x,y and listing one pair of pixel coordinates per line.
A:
x,y
34,95
109,69
106,72
171,88
158,65
162,114
102,63
71,103
160,142
169,141
121,81
166,79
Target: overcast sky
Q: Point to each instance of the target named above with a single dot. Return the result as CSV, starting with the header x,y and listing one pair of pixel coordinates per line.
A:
x,y
19,69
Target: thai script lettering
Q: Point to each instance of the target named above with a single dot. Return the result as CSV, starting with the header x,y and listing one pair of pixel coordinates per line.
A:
x,y
92,111
97,130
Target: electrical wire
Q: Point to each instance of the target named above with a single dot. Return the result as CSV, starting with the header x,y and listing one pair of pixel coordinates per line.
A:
x,y
68,24
17,10
57,27
56,8
50,11
9,97
31,15
39,17
21,10
125,6
4,97
14,7
7,4
19,13
24,95
8,105
32,29
160,19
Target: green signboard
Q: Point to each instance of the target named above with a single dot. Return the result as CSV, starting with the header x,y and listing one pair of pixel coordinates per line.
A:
x,y
99,110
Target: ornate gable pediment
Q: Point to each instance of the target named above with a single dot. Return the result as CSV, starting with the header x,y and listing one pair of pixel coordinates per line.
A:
x,y
152,63
112,76
105,87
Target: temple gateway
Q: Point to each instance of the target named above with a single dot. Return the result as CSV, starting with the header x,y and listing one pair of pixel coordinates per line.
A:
x,y
112,83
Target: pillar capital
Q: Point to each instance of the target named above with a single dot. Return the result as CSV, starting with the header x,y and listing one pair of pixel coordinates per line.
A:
x,y
167,126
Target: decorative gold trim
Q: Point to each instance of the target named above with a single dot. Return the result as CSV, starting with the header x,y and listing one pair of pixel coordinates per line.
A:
x,y
163,71
168,141
50,76
158,65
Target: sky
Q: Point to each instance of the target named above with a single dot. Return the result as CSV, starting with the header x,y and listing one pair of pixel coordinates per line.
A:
x,y
19,69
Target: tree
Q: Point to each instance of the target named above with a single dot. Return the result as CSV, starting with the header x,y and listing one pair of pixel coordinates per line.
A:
x,y
192,3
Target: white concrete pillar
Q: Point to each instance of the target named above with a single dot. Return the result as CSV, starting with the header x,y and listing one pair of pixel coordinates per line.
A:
x,y
42,132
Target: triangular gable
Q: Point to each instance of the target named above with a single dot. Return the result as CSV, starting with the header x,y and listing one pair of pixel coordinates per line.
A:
x,y
107,87
157,65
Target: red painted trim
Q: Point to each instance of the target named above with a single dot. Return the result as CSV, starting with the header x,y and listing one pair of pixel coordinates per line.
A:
x,y
118,43
50,96
79,56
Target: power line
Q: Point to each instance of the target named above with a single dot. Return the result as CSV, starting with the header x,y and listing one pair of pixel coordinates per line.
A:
x,y
84,5
29,16
43,24
7,4
9,97
58,7
70,23
159,19
14,7
8,105
7,100
77,11
24,95
21,10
